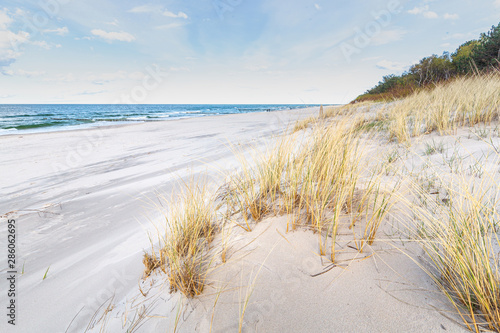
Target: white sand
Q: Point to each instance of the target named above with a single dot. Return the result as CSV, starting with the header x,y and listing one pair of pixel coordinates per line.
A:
x,y
82,201
90,227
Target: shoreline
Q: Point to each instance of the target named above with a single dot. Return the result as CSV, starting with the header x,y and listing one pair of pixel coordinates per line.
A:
x,y
107,124
87,204
83,199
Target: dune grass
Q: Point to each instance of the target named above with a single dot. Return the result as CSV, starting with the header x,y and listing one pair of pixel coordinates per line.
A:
x,y
465,101
304,123
314,178
191,224
460,232
324,178
459,236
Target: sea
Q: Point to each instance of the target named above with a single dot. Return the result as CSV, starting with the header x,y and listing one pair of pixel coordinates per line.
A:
x,y
29,118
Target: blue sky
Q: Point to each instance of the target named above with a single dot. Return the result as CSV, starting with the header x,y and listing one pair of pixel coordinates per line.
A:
x,y
221,51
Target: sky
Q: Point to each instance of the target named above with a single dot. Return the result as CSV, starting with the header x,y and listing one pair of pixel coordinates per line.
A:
x,y
221,51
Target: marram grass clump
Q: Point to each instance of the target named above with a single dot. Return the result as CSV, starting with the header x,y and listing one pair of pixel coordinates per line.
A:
x,y
465,101
323,178
191,224
314,178
460,237
317,178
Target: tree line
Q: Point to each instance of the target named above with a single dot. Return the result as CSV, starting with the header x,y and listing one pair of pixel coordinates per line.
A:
x,y
473,57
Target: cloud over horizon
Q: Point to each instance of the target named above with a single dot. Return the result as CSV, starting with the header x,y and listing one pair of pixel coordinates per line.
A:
x,y
111,36
424,11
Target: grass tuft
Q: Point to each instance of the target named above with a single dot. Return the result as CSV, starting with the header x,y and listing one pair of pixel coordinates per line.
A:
x,y
465,101
459,235
191,224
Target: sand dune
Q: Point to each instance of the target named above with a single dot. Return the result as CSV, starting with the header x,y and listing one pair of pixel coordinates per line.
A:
x,y
86,201
83,202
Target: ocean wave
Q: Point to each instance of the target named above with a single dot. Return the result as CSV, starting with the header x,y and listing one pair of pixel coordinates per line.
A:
x,y
111,119
40,117
32,126
7,130
141,118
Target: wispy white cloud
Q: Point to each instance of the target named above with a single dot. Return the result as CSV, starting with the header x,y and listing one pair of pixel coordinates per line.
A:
x,y
157,9
110,36
10,44
448,16
496,3
5,20
10,41
25,73
392,65
20,12
388,36
58,31
145,9
41,43
427,13
418,10
431,15
424,11
114,22
168,13
172,25
318,7
62,78
94,78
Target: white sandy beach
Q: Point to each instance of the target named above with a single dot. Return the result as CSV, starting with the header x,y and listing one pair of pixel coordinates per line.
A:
x,y
84,201
249,166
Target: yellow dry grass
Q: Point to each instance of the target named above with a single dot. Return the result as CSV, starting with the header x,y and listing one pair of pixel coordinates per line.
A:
x,y
465,101
191,224
320,177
